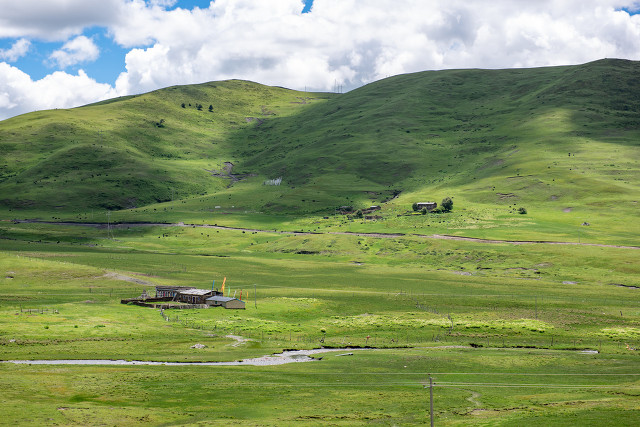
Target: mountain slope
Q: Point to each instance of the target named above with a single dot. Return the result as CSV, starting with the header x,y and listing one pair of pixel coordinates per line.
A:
x,y
537,137
470,129
133,151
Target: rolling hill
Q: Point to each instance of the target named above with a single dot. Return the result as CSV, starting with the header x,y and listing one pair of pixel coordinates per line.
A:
x,y
131,151
553,139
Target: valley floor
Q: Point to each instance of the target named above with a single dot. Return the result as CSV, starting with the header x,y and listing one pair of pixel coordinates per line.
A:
x,y
511,334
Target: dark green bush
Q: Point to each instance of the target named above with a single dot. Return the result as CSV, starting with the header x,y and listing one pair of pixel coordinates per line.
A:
x,y
447,204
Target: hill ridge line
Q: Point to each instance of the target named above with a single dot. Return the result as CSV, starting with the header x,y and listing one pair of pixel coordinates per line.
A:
x,y
344,233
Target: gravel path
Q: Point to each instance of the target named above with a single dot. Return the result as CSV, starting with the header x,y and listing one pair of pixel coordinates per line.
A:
x,y
118,276
238,340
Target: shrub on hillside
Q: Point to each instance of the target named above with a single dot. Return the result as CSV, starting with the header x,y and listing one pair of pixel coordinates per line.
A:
x,y
447,204
522,211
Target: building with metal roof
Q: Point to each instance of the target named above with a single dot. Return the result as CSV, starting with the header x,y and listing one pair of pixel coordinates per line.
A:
x,y
170,291
226,302
196,296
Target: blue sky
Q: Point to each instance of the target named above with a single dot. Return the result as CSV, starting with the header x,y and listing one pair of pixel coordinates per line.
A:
x,y
105,69
110,63
63,53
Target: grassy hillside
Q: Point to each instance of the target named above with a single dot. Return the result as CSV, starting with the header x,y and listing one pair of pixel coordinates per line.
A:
x,y
560,141
133,151
529,136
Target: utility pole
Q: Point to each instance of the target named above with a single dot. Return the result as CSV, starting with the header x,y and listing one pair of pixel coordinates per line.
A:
x,y
109,234
431,399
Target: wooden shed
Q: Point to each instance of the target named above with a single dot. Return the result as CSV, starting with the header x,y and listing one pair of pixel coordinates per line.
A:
x,y
226,302
170,291
196,296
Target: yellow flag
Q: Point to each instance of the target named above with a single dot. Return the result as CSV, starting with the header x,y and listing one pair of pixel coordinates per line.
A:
x,y
223,281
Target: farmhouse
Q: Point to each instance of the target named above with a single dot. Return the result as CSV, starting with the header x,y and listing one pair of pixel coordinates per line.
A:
x,y
226,302
196,296
170,291
187,294
429,206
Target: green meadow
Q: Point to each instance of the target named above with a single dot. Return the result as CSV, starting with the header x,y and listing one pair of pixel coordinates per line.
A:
x,y
519,318
502,328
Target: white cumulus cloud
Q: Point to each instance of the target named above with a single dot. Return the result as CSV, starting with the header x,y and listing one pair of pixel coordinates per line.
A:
x,y
16,51
56,19
353,42
20,94
348,42
79,49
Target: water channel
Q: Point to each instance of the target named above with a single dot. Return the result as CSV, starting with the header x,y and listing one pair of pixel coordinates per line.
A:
x,y
292,356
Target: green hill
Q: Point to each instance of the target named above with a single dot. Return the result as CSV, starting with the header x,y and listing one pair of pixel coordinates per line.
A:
x,y
132,151
553,140
529,134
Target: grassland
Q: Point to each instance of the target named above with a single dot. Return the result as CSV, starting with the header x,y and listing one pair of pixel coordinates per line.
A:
x,y
521,316
513,333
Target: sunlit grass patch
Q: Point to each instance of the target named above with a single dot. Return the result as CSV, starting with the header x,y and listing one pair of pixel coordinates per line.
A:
x,y
410,320
621,332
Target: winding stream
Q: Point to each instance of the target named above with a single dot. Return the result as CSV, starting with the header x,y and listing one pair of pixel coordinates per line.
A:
x,y
293,356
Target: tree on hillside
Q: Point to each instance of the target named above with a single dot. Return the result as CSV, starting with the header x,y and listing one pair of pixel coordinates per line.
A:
x,y
414,207
447,204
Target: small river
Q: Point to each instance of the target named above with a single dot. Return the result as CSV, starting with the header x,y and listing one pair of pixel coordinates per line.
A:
x,y
293,356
